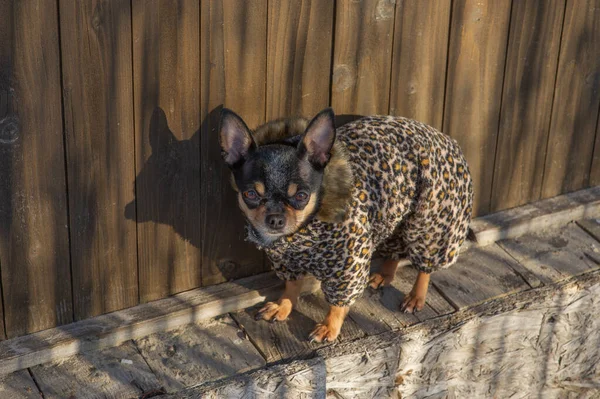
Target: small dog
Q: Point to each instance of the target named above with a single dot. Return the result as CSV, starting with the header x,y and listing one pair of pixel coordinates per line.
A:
x,y
322,201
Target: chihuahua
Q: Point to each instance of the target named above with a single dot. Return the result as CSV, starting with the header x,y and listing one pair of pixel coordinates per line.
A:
x,y
322,200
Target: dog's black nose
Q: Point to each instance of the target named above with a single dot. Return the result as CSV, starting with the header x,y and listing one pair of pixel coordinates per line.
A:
x,y
276,221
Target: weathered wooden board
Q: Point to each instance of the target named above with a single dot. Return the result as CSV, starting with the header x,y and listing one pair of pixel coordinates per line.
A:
x,y
592,226
289,339
366,373
136,322
512,344
534,41
34,238
298,57
302,379
419,60
545,214
553,255
595,167
576,101
18,385
480,274
96,65
118,372
232,72
549,349
478,35
167,120
199,353
364,33
373,315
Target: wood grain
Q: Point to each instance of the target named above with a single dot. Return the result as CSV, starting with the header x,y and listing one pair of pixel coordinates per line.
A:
x,y
419,60
167,119
362,56
34,238
554,255
98,375
199,353
299,45
532,57
576,101
98,101
591,226
234,37
478,35
479,275
595,168
289,339
19,385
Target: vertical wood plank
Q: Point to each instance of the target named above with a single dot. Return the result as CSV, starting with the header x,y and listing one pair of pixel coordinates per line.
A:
x,y
532,57
595,169
167,111
2,330
478,35
298,57
233,70
362,56
576,100
419,60
98,100
34,239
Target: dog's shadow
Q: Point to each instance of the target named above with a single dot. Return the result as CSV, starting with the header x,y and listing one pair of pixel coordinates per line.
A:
x,y
170,182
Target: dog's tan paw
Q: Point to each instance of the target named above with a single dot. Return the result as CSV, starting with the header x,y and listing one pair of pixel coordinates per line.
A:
x,y
273,311
412,303
324,333
378,280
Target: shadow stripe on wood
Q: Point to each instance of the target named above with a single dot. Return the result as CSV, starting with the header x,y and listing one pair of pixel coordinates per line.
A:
x,y
576,101
534,41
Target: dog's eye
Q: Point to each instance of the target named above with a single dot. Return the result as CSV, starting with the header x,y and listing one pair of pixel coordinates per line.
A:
x,y
250,194
301,196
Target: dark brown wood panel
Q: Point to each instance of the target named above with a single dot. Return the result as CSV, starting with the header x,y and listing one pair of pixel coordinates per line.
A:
x,y
419,60
476,56
362,58
298,57
96,59
234,38
576,100
2,330
532,57
166,64
34,238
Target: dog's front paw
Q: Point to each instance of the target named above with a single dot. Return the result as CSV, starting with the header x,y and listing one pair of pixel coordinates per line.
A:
x,y
324,333
273,311
412,303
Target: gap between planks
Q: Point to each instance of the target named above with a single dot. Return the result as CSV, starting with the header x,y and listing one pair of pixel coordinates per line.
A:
x,y
203,303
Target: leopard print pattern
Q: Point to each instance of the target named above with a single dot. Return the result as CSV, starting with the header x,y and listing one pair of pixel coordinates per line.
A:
x,y
412,197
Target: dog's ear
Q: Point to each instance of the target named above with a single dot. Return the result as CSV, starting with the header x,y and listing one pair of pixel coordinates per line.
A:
x,y
235,138
318,139
160,134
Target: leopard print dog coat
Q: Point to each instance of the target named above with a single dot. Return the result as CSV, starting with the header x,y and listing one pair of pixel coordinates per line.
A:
x,y
412,198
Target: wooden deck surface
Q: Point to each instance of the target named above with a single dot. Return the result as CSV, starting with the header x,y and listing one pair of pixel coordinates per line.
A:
x,y
234,343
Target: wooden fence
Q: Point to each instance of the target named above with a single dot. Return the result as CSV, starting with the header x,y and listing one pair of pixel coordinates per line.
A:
x,y
112,191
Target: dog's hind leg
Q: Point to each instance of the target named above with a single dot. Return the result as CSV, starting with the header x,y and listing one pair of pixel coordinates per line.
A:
x,y
280,310
384,276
